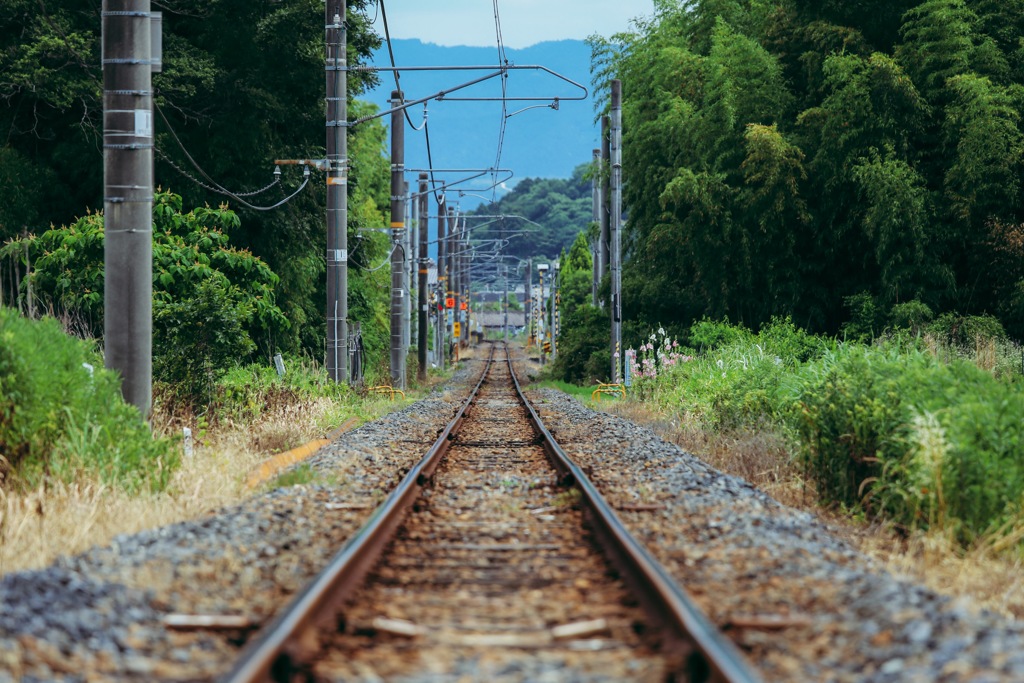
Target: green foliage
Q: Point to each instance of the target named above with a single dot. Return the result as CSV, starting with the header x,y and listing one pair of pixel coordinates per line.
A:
x,y
911,316
212,302
865,319
966,330
200,338
583,355
891,429
60,419
918,441
242,84
783,157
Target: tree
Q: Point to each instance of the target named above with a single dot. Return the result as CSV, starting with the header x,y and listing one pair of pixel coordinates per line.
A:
x,y
242,84
583,355
780,158
213,304
937,44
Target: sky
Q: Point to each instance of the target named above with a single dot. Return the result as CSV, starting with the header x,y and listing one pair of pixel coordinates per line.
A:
x,y
523,22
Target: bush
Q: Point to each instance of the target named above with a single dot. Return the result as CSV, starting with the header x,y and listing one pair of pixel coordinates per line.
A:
x,y
583,355
58,418
912,316
200,282
918,441
891,428
198,339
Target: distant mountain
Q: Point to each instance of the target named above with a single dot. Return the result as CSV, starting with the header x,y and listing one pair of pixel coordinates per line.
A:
x,y
539,142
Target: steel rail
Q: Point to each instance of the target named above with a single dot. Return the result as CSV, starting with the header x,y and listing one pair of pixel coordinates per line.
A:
x,y
290,638
707,655
283,646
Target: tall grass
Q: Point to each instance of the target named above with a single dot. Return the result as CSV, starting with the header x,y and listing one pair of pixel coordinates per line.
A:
x,y
891,429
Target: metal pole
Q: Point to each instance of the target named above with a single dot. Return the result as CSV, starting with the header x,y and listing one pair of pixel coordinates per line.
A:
x,y
504,298
466,280
442,280
337,189
528,302
397,241
453,275
543,317
128,198
595,244
421,291
408,265
554,312
605,246
616,228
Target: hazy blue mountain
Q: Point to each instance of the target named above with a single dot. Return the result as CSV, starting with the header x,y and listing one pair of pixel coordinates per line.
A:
x,y
540,142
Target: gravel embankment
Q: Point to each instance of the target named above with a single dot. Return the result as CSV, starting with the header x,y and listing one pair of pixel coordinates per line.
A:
x,y
803,604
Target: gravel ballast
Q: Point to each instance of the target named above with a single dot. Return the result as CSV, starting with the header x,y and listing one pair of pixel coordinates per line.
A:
x,y
802,603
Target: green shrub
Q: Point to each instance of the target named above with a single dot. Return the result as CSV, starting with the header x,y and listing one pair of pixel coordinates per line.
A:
x,y
213,304
893,428
912,316
865,321
708,335
966,330
59,419
198,339
919,441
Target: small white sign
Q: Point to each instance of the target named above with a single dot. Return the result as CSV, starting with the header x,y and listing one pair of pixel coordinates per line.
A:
x,y
143,123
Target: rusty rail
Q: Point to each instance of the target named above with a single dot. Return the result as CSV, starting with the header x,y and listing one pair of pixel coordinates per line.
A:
x,y
706,654
291,639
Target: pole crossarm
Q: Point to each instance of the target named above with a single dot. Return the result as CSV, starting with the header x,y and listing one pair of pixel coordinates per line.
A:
x,y
497,70
446,186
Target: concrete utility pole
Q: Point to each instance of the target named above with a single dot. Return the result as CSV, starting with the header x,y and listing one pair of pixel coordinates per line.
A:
x,y
616,229
397,241
407,270
421,289
453,275
128,197
504,299
528,302
606,195
337,189
595,244
442,280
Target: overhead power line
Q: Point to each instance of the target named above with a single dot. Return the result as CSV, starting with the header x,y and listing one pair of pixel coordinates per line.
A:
x,y
217,187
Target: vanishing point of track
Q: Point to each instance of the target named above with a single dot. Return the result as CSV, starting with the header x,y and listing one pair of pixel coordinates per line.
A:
x,y
501,557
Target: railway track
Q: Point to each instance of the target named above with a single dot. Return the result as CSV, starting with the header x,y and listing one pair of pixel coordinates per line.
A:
x,y
502,562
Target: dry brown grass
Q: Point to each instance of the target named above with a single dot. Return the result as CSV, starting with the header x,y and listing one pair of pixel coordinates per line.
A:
x,y
990,574
37,526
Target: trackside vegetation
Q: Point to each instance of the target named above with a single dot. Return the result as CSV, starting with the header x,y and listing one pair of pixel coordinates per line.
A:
x,y
62,415
907,428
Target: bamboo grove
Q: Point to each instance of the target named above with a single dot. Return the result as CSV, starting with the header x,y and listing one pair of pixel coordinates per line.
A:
x,y
819,159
